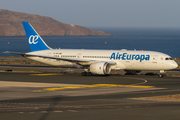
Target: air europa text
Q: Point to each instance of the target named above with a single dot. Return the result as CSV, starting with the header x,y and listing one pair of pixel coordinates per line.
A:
x,y
125,56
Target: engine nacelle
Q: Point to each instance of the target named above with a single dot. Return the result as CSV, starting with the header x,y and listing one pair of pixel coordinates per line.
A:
x,y
101,68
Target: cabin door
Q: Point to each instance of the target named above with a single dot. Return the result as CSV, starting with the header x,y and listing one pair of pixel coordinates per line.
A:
x,y
79,55
155,58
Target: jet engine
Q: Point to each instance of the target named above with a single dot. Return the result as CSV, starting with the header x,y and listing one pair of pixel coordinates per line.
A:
x,y
101,68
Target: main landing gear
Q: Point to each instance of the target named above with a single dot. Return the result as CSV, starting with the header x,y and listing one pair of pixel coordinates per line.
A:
x,y
86,74
162,73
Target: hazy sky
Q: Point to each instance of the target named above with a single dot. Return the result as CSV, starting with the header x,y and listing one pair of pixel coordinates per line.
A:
x,y
103,13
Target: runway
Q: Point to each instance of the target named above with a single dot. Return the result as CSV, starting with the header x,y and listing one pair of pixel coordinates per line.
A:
x,y
51,95
45,96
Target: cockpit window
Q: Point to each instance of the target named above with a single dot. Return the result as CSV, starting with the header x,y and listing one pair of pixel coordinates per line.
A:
x,y
168,59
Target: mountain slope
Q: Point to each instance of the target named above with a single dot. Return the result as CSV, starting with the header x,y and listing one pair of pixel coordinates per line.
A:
x,y
11,25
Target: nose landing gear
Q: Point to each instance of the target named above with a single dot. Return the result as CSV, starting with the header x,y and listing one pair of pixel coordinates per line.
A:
x,y
162,73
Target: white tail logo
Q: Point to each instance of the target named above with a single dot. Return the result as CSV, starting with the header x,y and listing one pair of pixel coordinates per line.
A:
x,y
33,39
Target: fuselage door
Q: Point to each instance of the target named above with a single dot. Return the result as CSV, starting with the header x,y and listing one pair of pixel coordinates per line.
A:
x,y
133,64
155,58
79,55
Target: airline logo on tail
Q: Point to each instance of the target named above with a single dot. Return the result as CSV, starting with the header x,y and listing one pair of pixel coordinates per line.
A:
x,y
33,39
36,43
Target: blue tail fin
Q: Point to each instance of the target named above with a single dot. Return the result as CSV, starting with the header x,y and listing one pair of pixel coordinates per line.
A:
x,y
36,43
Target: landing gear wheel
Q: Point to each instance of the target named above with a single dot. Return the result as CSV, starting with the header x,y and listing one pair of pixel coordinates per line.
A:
x,y
89,74
83,73
161,75
86,74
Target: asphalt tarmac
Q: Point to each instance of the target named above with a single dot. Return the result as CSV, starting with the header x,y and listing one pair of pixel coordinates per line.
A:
x,y
53,95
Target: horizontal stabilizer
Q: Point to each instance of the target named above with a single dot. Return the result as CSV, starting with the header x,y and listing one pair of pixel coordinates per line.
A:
x,y
22,54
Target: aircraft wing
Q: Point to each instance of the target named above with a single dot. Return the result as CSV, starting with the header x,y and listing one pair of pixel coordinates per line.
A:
x,y
57,58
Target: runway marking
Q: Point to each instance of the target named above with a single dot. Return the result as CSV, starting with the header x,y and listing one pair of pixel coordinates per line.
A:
x,y
72,110
46,74
145,81
92,86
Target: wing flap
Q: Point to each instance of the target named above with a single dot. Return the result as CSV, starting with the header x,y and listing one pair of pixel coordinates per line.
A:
x,y
44,56
59,58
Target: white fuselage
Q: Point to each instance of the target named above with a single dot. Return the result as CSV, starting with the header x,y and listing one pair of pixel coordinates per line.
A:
x,y
124,59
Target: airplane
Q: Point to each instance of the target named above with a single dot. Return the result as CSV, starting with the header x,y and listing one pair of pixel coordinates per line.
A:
x,y
99,62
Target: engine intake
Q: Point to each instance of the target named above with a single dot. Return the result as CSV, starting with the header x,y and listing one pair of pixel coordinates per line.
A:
x,y
101,68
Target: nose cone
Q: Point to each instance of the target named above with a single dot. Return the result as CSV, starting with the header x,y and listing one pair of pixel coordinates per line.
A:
x,y
174,65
